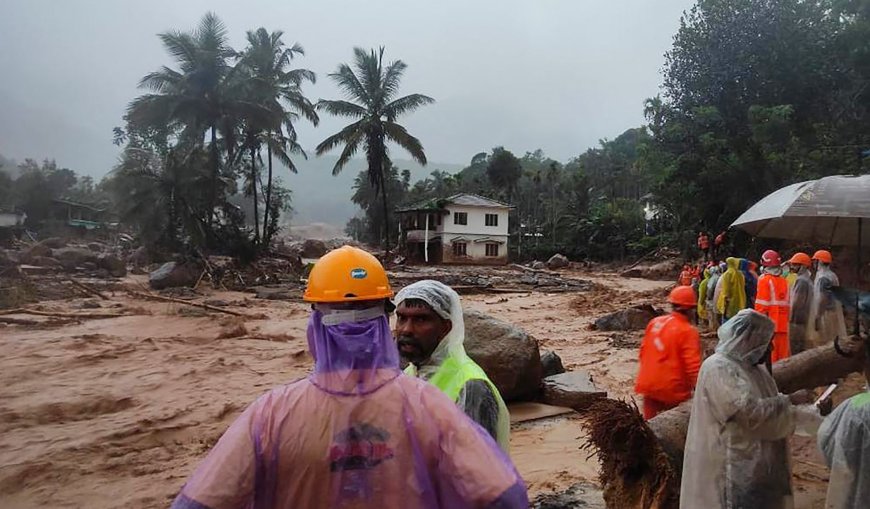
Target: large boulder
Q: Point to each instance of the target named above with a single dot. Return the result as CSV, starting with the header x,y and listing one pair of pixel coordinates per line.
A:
x,y
44,261
573,389
313,248
668,269
507,354
557,261
72,257
174,274
633,318
112,263
139,258
34,251
551,364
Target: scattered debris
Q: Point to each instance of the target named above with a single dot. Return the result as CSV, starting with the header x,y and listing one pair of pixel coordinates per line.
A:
x,y
578,496
572,389
188,303
635,470
624,340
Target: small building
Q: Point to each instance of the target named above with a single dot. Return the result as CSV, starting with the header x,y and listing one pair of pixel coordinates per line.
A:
x,y
78,215
462,229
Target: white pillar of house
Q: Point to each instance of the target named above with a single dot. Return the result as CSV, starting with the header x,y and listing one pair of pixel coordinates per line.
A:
x,y
426,238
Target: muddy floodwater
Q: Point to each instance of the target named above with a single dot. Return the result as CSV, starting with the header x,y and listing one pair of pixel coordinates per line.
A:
x,y
117,412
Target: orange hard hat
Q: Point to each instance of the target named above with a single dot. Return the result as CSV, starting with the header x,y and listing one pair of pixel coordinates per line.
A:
x,y
770,258
683,296
801,259
823,256
347,274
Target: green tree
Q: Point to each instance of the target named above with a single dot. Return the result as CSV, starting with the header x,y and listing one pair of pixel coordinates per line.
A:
x,y
192,100
276,90
504,171
371,87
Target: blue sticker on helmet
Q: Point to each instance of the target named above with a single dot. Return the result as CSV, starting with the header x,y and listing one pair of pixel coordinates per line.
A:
x,y
358,273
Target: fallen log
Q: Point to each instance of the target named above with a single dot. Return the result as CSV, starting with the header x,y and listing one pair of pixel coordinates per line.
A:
x,y
630,483
88,289
59,314
194,304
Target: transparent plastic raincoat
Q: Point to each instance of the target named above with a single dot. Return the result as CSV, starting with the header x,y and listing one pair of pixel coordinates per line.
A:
x,y
702,295
844,439
451,369
732,297
712,284
736,453
801,298
826,312
356,433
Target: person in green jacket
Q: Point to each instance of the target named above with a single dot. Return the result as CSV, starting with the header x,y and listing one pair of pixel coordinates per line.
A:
x,y
430,332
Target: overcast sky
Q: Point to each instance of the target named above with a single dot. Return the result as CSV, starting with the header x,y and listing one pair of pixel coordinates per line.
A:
x,y
552,74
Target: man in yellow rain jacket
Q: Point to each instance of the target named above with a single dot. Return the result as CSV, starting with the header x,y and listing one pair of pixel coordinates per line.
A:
x,y
430,332
733,296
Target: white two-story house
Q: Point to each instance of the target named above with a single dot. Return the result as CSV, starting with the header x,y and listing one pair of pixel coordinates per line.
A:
x,y
462,229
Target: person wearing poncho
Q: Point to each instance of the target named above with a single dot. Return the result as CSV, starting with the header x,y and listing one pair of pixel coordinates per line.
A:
x,y
357,432
430,331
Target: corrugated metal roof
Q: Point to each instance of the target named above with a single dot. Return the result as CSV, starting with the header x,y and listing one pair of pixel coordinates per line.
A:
x,y
464,199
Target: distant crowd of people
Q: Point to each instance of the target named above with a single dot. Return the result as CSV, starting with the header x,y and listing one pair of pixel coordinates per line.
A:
x,y
736,452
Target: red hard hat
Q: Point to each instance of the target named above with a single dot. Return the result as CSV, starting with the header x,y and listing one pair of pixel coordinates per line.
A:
x,y
683,296
823,256
770,258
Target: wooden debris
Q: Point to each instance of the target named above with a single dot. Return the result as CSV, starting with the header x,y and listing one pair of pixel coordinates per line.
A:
x,y
194,304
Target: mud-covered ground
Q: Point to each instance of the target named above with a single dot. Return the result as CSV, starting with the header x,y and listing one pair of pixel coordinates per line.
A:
x,y
116,412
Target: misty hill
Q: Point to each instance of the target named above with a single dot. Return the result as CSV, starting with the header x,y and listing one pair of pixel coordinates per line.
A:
x,y
318,197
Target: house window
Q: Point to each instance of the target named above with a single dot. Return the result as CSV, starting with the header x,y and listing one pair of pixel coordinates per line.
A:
x,y
460,218
492,219
492,249
459,248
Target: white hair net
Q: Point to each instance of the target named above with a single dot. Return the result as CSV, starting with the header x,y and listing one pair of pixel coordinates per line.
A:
x,y
445,302
746,336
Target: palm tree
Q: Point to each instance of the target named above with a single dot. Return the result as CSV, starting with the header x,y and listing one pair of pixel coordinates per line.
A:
x,y
271,85
370,88
190,99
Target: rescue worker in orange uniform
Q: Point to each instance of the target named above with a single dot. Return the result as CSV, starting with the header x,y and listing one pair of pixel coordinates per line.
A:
x,y
772,300
704,245
670,356
685,276
718,242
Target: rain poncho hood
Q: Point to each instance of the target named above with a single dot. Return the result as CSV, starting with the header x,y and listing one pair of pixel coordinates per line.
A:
x,y
844,439
449,367
826,321
355,433
732,297
736,453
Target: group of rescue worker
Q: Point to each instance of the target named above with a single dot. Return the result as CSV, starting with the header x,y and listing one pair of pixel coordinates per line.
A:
x,y
736,452
359,431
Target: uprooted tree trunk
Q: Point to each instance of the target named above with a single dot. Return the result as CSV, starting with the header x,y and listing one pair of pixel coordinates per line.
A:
x,y
641,462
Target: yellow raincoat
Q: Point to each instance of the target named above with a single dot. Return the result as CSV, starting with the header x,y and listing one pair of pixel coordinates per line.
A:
x,y
733,296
